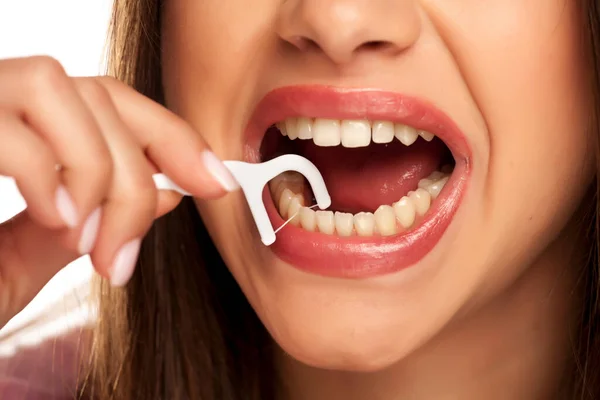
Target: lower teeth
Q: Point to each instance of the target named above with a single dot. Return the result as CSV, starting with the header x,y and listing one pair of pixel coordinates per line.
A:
x,y
288,192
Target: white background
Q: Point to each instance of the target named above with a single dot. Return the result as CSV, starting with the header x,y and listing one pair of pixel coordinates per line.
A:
x,y
74,32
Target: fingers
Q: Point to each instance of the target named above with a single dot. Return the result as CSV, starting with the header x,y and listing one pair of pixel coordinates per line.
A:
x,y
38,90
131,201
167,201
171,143
25,157
44,123
106,138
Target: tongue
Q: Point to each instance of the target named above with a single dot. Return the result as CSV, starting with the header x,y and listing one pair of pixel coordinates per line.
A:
x,y
362,179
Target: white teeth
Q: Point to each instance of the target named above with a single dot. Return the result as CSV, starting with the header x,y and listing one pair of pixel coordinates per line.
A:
x,y
421,199
287,191
383,132
291,180
405,134
305,128
294,209
308,219
344,223
426,135
356,134
284,202
364,224
434,183
405,212
281,127
385,220
436,175
326,222
425,183
291,127
435,188
327,132
349,133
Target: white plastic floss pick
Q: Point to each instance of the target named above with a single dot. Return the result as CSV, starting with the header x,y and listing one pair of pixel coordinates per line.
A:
x,y
253,178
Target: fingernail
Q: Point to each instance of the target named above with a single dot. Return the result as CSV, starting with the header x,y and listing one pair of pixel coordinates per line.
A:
x,y
66,207
89,233
124,264
219,171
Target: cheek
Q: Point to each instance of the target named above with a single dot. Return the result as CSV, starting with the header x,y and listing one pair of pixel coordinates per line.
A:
x,y
528,77
525,69
211,56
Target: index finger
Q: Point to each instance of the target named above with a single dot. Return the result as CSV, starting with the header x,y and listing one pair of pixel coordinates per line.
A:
x,y
171,143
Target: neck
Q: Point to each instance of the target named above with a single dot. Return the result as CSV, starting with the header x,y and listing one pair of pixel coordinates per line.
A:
x,y
515,346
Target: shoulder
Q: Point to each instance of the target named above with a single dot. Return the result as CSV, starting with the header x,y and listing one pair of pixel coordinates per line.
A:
x,y
46,370
42,348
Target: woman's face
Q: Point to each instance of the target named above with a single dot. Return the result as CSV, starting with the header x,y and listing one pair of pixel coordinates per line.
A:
x,y
359,87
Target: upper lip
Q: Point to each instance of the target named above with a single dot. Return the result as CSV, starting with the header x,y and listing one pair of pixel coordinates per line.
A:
x,y
351,104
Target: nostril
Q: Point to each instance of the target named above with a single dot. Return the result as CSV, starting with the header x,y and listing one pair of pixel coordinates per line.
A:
x,y
375,45
338,50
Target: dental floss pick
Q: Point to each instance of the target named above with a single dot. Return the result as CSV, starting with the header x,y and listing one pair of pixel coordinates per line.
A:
x,y
253,178
163,183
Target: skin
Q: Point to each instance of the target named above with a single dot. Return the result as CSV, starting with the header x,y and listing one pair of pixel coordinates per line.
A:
x,y
120,137
488,310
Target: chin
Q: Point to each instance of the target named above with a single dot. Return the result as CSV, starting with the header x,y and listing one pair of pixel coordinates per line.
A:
x,y
343,344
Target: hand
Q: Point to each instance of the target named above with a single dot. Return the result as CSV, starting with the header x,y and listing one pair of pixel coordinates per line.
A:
x,y
107,140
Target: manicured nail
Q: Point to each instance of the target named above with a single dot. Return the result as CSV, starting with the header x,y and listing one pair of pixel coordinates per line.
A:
x,y
124,264
66,207
89,233
219,171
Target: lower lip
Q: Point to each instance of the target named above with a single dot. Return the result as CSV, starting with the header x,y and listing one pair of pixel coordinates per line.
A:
x,y
364,257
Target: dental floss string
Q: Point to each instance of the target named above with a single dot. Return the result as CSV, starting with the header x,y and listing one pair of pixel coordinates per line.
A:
x,y
292,217
253,178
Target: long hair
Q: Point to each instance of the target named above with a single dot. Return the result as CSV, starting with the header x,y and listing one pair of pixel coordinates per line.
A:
x,y
182,329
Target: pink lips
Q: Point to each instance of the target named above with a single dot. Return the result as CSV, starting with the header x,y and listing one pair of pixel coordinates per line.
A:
x,y
361,257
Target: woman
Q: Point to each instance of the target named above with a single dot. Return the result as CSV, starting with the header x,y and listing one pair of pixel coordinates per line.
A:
x,y
458,141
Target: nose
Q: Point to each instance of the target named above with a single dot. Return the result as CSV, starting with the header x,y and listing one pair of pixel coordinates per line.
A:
x,y
343,28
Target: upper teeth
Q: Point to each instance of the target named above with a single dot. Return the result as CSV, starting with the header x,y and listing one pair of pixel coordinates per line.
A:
x,y
349,133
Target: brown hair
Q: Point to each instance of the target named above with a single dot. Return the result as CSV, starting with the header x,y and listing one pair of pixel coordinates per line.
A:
x,y
182,329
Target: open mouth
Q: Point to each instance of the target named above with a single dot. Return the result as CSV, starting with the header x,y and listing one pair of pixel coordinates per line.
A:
x,y
382,177
395,176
